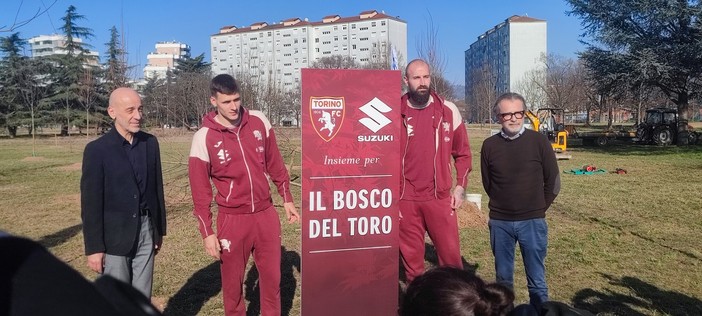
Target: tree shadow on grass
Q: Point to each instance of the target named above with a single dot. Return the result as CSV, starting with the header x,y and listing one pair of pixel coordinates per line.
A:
x,y
644,296
646,238
199,288
289,263
60,237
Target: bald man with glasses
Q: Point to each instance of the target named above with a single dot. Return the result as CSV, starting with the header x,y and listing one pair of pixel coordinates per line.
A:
x,y
520,175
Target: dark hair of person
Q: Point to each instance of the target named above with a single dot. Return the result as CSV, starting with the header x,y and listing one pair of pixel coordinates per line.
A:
x,y
450,291
224,84
507,96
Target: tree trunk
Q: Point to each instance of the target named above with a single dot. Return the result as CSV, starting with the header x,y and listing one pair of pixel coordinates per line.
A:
x,y
34,140
12,130
87,123
683,104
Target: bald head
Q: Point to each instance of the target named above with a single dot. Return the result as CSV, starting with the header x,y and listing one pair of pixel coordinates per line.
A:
x,y
414,64
418,80
126,111
123,95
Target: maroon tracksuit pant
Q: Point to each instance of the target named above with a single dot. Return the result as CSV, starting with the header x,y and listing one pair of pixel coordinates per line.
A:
x,y
240,235
438,219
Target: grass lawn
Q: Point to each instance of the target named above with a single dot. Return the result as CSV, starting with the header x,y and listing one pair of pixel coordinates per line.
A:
x,y
619,244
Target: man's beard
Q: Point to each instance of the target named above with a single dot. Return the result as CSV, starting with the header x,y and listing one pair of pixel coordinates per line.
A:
x,y
419,98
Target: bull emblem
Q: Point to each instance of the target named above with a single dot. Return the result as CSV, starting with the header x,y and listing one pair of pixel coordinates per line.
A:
x,y
328,122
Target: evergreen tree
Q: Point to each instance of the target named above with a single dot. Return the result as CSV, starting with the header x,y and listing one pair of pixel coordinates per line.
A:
x,y
115,66
70,70
192,65
10,98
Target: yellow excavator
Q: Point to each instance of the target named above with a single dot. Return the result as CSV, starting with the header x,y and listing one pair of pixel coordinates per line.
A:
x,y
549,122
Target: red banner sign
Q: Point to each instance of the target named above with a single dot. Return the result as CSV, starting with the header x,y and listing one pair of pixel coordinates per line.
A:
x,y
350,167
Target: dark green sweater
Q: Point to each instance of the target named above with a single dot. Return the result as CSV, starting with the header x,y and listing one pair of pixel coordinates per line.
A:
x,y
520,176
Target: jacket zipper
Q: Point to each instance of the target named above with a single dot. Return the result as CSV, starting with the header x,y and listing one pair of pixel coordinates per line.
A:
x,y
248,171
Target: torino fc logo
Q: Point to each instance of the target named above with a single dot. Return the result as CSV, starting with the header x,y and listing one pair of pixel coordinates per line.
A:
x,y
327,115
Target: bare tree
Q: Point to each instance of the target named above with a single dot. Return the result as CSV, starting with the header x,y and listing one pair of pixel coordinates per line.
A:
x,y
335,62
293,101
24,21
87,95
482,93
531,87
33,88
429,50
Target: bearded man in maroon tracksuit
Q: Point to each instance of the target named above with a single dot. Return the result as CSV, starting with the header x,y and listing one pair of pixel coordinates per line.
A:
x,y
433,133
236,150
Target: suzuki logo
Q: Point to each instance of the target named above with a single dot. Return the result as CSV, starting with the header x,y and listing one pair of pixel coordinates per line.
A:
x,y
374,110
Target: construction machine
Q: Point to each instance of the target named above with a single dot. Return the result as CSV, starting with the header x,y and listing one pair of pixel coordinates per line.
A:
x,y
549,122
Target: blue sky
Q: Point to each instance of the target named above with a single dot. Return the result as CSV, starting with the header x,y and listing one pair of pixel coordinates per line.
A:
x,y
146,22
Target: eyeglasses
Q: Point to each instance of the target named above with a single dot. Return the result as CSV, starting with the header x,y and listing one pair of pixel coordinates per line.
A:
x,y
508,116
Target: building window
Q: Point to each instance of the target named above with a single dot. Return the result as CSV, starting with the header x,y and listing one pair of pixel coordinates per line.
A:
x,y
353,46
363,39
363,28
353,26
372,24
316,39
382,23
326,32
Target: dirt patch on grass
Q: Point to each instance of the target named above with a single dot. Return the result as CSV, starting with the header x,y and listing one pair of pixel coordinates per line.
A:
x,y
470,216
72,167
32,159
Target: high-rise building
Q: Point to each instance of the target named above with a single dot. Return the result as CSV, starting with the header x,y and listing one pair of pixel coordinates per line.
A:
x,y
506,53
165,58
55,44
275,53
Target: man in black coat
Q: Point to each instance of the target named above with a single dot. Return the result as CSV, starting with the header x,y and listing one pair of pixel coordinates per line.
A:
x,y
122,204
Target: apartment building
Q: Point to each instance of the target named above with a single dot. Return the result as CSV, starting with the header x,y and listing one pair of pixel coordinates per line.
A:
x,y
55,44
506,53
275,53
165,58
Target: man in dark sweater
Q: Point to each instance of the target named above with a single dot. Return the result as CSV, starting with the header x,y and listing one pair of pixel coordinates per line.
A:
x,y
520,175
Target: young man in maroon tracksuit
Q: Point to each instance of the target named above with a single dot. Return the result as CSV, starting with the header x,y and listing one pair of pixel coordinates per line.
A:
x,y
433,133
236,149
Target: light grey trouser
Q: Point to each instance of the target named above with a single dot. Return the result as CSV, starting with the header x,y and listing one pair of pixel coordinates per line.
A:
x,y
138,268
